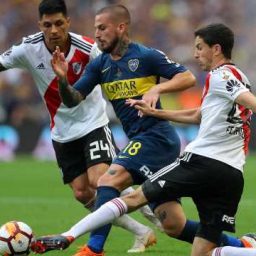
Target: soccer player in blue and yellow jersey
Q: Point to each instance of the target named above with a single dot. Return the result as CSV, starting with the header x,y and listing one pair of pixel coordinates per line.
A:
x,y
129,70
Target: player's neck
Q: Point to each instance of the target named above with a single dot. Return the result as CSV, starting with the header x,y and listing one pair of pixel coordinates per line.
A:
x,y
220,62
120,49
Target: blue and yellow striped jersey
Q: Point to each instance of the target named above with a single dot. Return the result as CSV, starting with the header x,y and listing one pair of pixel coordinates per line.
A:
x,y
130,77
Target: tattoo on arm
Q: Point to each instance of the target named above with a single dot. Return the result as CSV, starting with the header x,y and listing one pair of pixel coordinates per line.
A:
x,y
2,68
111,172
70,96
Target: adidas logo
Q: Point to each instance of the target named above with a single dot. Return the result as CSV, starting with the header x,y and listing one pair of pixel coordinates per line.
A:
x,y
161,183
41,66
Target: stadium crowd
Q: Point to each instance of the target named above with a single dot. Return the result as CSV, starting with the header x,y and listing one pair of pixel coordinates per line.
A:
x,y
164,24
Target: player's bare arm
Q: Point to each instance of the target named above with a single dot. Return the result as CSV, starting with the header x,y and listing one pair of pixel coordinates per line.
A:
x,y
248,100
69,96
179,82
2,68
188,116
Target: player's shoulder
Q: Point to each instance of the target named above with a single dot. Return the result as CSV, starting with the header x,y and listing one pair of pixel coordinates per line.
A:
x,y
140,48
82,42
33,39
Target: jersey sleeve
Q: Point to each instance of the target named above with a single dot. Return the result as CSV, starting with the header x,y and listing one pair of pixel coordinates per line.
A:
x,y
162,66
15,57
225,84
95,51
90,78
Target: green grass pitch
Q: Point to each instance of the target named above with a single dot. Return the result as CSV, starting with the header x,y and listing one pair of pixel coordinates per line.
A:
x,y
33,192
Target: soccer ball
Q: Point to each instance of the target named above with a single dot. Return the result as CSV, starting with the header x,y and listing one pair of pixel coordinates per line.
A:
x,y
15,238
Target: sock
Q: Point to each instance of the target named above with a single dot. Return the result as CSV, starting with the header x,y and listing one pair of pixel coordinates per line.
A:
x,y
233,251
99,236
131,225
227,240
104,215
190,229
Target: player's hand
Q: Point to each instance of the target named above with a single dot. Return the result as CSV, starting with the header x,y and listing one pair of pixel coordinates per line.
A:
x,y
151,97
59,64
144,109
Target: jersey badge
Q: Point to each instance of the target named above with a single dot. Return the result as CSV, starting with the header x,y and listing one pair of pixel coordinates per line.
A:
x,y
133,64
77,67
225,76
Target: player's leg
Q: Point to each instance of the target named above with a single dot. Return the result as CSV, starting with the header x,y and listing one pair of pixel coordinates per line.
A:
x,y
110,184
204,247
144,236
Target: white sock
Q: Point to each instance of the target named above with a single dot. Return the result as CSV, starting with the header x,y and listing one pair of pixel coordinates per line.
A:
x,y
131,225
104,215
233,251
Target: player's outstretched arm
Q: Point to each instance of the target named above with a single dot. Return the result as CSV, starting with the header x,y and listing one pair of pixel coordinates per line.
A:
x,y
188,116
70,96
248,100
179,82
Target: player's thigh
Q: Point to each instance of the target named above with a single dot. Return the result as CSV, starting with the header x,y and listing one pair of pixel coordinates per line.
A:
x,y
202,247
95,172
116,176
70,159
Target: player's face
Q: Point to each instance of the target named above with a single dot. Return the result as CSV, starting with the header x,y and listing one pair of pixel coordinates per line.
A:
x,y
203,54
55,28
107,32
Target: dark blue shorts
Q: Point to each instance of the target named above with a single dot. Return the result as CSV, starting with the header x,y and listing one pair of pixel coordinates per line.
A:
x,y
149,151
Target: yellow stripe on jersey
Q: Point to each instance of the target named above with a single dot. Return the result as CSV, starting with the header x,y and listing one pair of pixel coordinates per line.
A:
x,y
128,88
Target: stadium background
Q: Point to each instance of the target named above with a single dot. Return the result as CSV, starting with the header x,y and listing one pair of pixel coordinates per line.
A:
x,y
32,191
165,24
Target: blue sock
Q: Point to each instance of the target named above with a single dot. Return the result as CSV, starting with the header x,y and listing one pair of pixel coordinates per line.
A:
x,y
99,236
190,229
227,240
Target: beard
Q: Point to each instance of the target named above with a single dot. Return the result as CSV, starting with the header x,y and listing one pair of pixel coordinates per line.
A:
x,y
111,47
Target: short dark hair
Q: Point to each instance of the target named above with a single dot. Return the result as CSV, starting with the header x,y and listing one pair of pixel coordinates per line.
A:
x,y
218,33
51,7
119,11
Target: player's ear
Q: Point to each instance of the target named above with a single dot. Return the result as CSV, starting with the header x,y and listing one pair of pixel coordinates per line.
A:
x,y
217,49
68,21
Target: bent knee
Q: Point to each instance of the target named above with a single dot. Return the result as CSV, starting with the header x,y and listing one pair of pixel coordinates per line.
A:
x,y
84,196
173,229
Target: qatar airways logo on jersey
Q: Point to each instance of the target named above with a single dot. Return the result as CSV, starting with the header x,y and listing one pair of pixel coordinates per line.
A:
x,y
122,89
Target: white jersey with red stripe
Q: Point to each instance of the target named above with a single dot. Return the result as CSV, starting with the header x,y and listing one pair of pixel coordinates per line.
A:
x,y
225,126
67,124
